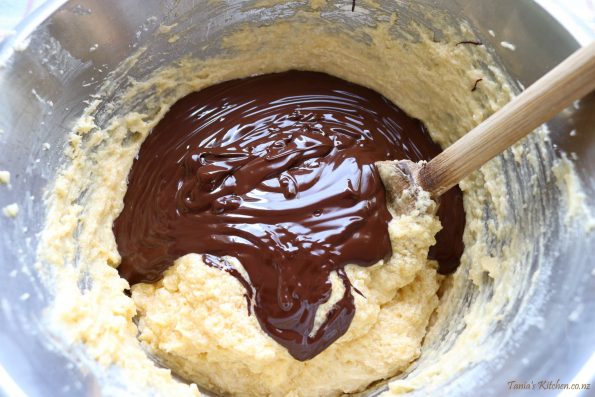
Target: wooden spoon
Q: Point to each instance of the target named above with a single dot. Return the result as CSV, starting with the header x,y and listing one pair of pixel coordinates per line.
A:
x,y
570,80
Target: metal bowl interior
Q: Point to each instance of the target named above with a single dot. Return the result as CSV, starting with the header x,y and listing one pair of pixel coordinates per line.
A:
x,y
46,86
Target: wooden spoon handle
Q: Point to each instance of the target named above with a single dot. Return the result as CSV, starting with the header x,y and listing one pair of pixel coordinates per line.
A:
x,y
570,80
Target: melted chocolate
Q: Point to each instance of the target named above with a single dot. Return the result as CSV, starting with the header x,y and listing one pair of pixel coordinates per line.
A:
x,y
277,171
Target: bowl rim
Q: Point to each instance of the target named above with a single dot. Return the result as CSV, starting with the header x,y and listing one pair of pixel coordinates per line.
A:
x,y
569,20
27,26
574,25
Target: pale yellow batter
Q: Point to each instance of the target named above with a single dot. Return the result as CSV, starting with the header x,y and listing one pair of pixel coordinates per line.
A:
x,y
195,320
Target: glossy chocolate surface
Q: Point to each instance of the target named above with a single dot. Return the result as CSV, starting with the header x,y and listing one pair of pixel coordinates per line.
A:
x,y
277,171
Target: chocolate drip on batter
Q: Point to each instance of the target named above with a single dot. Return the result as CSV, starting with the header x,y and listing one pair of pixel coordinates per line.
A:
x,y
278,172
475,84
474,42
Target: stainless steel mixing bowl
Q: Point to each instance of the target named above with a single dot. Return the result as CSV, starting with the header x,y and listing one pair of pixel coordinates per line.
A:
x,y
62,54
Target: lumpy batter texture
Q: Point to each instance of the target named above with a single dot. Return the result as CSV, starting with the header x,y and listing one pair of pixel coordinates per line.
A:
x,y
195,320
278,172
